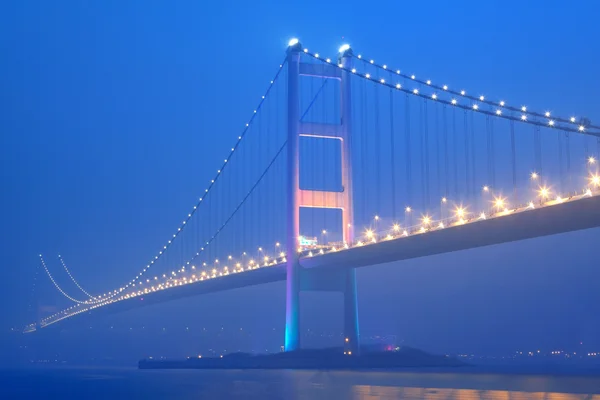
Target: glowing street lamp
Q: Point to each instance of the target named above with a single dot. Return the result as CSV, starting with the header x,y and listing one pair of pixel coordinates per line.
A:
x,y
499,203
544,193
595,180
426,220
459,212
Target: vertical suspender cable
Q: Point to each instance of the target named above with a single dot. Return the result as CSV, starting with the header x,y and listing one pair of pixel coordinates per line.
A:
x,y
324,173
445,128
269,181
493,153
538,149
407,150
473,169
539,139
422,158
257,197
568,154
312,149
275,180
244,179
559,136
467,175
377,151
455,151
489,150
427,180
393,154
363,139
513,159
210,229
437,153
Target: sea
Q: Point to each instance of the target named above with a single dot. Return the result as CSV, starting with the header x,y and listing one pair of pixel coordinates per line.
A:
x,y
90,383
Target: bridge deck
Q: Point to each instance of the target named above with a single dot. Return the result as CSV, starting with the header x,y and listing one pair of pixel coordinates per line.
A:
x,y
583,213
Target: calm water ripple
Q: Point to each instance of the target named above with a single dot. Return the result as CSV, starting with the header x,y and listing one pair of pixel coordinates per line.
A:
x,y
130,383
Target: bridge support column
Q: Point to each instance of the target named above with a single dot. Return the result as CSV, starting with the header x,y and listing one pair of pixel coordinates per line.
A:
x,y
292,301
351,331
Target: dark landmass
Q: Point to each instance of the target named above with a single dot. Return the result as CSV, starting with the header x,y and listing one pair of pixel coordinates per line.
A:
x,y
333,358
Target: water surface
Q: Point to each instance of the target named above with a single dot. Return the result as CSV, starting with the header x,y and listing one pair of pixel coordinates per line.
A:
x,y
130,383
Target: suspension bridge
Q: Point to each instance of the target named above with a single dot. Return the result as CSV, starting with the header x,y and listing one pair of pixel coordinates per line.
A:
x,y
347,162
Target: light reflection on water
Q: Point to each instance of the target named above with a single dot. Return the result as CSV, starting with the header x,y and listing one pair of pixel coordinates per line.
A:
x,y
366,392
130,383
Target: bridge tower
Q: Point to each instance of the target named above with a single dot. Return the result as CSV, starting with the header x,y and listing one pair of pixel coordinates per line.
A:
x,y
298,278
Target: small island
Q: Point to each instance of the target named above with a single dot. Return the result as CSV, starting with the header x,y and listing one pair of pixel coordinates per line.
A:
x,y
332,358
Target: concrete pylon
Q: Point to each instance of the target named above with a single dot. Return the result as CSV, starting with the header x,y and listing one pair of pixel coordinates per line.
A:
x,y
297,278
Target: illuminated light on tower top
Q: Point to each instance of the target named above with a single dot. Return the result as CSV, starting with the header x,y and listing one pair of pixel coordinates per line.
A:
x,y
343,48
293,42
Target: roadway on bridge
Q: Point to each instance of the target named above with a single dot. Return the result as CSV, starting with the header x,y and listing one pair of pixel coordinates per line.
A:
x,y
583,213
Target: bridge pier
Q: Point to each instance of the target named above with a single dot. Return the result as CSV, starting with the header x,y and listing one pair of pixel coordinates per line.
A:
x,y
351,330
327,280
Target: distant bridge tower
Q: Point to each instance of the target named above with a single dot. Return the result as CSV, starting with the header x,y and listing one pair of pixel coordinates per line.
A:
x,y
298,278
